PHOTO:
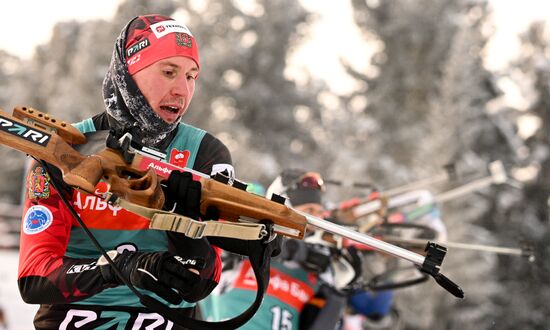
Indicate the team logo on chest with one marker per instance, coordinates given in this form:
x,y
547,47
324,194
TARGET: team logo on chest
x,y
179,158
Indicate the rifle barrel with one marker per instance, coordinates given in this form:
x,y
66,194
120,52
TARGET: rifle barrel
x,y
465,246
363,238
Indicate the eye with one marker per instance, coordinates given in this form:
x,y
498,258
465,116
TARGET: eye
x,y
169,72
191,77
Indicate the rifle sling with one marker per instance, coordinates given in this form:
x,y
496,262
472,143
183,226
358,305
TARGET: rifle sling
x,y
163,220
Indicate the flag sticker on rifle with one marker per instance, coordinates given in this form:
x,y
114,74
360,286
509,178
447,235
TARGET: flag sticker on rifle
x,y
37,219
24,131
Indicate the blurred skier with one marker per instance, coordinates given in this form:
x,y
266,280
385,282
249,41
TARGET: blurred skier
x,y
369,309
303,291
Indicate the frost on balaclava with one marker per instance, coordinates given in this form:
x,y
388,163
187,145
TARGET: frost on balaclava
x,y
126,106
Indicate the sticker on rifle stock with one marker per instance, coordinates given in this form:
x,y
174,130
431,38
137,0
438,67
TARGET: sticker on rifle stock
x,y
24,131
38,184
37,219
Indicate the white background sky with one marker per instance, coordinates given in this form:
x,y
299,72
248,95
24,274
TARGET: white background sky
x,y
29,23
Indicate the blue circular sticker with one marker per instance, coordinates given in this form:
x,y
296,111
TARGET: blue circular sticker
x,y
37,219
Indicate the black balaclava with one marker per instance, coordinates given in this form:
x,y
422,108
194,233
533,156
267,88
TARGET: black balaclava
x,y
126,106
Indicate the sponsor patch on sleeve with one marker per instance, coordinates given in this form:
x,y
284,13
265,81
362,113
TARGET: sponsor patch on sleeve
x,y
38,184
37,219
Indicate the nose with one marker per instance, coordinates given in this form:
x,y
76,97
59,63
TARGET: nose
x,y
181,87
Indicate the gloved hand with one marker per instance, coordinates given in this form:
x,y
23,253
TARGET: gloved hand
x,y
313,257
346,269
159,272
351,254
184,193
318,258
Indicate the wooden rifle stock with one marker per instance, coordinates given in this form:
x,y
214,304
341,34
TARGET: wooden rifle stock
x,y
138,181
234,204
28,135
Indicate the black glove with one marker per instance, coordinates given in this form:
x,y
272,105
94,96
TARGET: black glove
x,y
313,257
183,192
159,272
318,257
351,254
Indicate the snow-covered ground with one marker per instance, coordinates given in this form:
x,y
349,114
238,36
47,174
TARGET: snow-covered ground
x,y
18,315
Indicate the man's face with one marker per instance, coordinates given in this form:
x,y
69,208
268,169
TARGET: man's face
x,y
168,85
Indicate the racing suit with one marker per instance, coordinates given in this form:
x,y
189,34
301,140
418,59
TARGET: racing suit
x,y
57,265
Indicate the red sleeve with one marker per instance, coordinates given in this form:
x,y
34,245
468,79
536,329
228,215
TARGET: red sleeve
x,y
45,229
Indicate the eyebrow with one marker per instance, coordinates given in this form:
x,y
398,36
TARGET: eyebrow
x,y
175,66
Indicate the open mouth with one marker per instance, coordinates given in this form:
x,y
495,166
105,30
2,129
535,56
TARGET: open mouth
x,y
170,109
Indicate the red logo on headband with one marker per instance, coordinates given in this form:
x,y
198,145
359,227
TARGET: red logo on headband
x,y
160,28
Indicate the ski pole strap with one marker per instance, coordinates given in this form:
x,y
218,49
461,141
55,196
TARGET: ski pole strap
x,y
162,220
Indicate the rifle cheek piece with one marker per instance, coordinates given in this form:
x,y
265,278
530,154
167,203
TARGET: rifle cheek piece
x,y
86,174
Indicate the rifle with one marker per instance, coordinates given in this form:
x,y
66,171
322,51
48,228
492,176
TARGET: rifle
x,y
134,183
399,197
450,174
